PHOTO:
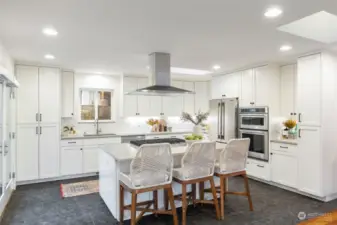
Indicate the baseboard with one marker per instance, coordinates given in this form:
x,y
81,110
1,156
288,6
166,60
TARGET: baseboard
x,y
18,183
3,203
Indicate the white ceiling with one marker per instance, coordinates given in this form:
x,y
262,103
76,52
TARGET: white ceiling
x,y
113,36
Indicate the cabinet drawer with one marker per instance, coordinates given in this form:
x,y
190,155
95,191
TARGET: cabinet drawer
x,y
285,148
114,140
90,142
72,142
258,169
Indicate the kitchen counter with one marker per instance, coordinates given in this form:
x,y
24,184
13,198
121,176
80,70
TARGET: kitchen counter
x,y
285,141
122,134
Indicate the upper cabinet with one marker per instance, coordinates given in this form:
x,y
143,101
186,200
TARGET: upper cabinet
x,y
173,105
201,96
309,90
68,94
247,88
143,102
288,90
226,86
189,99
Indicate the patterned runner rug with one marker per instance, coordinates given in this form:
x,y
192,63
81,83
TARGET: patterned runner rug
x,y
79,188
326,219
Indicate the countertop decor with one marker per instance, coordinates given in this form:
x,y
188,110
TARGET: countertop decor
x,y
197,120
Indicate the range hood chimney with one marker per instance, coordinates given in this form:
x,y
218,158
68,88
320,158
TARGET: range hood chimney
x,y
160,66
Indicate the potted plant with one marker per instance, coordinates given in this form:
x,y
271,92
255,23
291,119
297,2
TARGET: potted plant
x,y
290,128
197,120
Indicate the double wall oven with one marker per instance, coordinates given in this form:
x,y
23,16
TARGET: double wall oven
x,y
254,124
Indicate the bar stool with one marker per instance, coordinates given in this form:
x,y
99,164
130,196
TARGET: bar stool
x,y
150,170
197,166
232,162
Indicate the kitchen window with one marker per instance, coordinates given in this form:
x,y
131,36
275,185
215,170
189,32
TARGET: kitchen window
x,y
95,104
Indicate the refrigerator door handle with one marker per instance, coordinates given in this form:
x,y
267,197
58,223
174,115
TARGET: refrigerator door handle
x,y
223,121
219,121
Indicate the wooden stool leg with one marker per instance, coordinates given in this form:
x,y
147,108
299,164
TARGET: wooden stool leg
x,y
121,204
248,192
201,191
184,204
222,196
155,201
166,200
133,208
194,193
173,207
215,198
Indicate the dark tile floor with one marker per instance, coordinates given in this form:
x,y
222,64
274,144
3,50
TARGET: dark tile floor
x,y
40,204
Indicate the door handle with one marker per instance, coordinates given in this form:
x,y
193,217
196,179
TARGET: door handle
x,y
283,147
36,117
37,130
40,117
300,117
260,166
299,133
40,130
219,122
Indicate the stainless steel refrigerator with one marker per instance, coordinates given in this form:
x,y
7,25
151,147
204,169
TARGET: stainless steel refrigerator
x,y
223,119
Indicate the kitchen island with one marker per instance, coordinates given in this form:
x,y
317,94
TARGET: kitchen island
x,y
116,158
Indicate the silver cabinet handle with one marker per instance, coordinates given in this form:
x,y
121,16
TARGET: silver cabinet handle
x,y
40,130
71,142
283,147
260,166
40,117
300,117
299,133
36,117
37,130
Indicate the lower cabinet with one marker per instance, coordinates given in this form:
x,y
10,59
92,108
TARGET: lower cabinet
x,y
71,160
258,169
284,169
90,159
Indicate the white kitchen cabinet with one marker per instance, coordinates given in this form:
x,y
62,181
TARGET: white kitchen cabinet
x,y
231,85
217,87
68,79
189,98
90,159
71,160
143,103
258,169
49,95
247,97
201,96
156,105
27,159
284,169
130,101
309,90
288,90
49,151
173,105
28,94
309,161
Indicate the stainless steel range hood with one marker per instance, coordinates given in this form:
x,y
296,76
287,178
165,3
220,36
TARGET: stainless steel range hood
x,y
161,78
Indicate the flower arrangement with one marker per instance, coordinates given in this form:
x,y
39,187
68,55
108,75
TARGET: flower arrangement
x,y
199,117
152,122
290,124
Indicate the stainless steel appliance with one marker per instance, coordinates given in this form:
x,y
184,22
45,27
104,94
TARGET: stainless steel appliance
x,y
254,124
223,119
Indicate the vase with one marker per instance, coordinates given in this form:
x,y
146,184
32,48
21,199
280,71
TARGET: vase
x,y
197,130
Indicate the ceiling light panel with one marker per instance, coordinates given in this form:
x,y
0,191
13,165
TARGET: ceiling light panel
x,y
321,26
273,12
189,71
49,56
50,31
285,48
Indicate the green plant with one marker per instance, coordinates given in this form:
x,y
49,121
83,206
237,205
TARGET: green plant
x,y
199,117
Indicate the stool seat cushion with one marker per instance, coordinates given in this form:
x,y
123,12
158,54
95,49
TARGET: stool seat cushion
x,y
191,172
145,178
217,169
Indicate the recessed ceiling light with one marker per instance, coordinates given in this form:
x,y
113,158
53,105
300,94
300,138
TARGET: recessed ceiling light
x,y
148,67
285,48
49,56
189,71
216,67
50,31
273,12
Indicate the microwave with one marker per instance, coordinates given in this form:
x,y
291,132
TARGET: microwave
x,y
256,118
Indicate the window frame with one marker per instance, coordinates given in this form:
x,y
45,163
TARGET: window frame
x,y
96,99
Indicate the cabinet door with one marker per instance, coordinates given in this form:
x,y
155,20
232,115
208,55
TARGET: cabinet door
x,y
49,95
156,108
67,94
49,151
285,175
143,101
288,78
71,161
130,101
217,87
201,97
173,105
90,159
27,162
28,94
309,158
231,85
189,99
309,90
247,88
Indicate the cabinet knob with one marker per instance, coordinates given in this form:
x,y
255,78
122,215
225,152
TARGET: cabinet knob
x,y
291,114
271,153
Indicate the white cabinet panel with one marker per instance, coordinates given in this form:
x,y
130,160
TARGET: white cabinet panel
x,y
67,94
156,105
285,175
231,85
217,88
49,151
309,157
258,169
201,96
309,90
173,105
49,95
247,88
90,159
130,101
143,101
27,162
71,160
27,94
189,99
288,78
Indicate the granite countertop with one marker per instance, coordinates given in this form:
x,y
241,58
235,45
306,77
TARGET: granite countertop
x,y
122,134
285,141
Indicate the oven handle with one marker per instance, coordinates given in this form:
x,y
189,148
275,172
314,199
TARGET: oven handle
x,y
253,132
219,121
223,124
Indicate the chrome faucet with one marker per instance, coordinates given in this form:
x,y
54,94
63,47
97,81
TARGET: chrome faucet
x,y
98,130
